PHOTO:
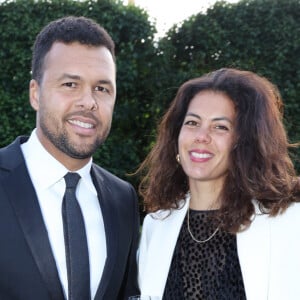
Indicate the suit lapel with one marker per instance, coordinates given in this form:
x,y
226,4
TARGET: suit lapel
x,y
107,205
22,196
254,255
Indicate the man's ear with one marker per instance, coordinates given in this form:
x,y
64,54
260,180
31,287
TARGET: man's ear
x,y
34,94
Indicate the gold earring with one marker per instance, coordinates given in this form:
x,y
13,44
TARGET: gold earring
x,y
178,158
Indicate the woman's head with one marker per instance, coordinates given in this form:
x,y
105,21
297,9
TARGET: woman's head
x,y
206,138
258,161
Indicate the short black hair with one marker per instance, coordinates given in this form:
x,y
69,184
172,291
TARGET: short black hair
x,y
68,30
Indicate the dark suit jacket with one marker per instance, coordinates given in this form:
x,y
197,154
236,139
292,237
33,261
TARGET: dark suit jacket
x,y
27,266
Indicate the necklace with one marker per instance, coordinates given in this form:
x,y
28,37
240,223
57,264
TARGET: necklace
x,y
192,236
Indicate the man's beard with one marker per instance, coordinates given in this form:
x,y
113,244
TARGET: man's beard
x,y
60,139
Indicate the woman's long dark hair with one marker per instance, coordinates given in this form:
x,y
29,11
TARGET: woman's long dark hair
x,y
260,166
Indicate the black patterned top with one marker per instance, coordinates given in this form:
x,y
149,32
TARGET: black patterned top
x,y
205,271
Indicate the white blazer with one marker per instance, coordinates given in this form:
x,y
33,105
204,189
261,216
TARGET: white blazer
x,y
268,251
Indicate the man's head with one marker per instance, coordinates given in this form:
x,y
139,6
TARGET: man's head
x,y
73,89
68,30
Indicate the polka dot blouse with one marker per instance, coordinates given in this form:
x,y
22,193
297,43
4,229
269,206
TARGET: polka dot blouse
x,y
204,271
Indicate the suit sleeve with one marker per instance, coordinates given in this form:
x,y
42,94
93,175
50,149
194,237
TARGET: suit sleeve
x,y
130,284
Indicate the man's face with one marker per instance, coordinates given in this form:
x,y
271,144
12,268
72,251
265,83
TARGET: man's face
x,y
74,101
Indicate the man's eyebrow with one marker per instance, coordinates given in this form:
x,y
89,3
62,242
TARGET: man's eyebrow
x,y
104,81
69,76
77,77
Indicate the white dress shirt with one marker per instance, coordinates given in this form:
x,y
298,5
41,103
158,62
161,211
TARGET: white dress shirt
x,y
47,175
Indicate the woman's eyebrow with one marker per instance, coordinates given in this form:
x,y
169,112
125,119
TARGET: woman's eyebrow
x,y
214,119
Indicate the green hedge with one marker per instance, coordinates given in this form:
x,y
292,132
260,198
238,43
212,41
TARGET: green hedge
x,y
133,34
259,35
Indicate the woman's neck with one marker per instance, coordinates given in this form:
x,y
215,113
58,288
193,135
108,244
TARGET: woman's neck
x,y
205,195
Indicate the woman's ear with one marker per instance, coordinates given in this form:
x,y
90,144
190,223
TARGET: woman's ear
x,y
34,94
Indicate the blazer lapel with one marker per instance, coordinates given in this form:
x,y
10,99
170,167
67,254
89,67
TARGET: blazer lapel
x,y
21,193
154,266
111,232
254,255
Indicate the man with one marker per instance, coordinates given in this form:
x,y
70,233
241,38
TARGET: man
x,y
73,91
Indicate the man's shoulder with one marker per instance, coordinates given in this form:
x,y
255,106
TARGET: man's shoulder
x,y
14,145
11,154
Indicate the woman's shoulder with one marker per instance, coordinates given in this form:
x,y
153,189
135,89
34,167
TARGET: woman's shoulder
x,y
288,220
165,218
166,215
290,216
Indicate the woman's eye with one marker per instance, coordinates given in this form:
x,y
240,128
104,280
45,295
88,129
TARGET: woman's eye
x,y
190,123
221,127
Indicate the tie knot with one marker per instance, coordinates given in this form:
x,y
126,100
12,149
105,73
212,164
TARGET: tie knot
x,y
71,180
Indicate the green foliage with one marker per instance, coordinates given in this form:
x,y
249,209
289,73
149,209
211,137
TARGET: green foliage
x,y
259,35
21,20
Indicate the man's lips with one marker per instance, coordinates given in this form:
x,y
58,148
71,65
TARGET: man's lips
x,y
82,120
81,124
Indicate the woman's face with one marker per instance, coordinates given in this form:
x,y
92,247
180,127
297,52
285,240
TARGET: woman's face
x,y
207,137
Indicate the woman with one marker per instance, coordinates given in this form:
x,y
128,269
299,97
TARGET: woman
x,y
222,193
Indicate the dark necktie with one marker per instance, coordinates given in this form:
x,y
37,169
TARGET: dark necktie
x,y
75,242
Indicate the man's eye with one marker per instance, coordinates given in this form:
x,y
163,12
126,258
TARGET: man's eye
x,y
101,89
70,84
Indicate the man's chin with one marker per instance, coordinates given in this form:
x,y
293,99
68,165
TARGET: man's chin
x,y
82,152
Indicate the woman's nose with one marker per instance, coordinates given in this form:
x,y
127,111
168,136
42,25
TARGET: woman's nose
x,y
203,135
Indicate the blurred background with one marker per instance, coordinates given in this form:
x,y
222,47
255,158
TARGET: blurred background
x,y
156,53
